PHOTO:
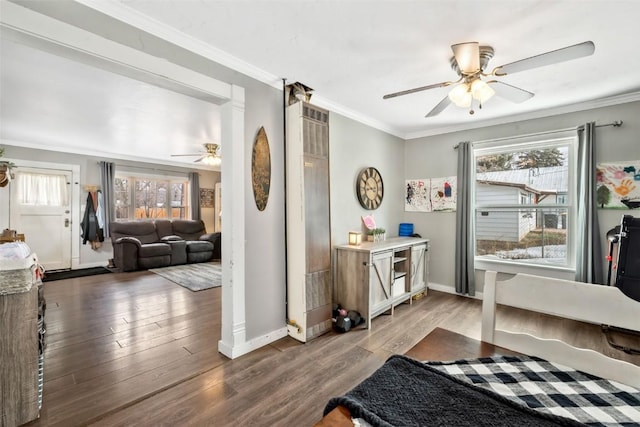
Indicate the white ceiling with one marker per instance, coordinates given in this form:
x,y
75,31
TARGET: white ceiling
x,y
350,52
53,101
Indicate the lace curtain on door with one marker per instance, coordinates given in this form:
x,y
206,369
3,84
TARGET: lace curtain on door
x,y
42,190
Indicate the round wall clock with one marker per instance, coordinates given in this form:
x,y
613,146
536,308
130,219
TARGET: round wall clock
x,y
369,188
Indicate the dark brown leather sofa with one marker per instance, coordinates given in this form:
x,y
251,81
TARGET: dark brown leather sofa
x,y
140,245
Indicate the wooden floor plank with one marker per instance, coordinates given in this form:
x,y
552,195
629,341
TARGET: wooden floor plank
x,y
136,349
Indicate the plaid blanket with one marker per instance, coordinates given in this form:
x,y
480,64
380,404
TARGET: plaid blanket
x,y
405,392
550,388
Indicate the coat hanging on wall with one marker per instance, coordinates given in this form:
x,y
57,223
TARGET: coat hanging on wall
x,y
93,219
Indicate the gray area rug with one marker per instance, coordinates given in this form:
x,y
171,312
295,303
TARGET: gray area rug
x,y
196,277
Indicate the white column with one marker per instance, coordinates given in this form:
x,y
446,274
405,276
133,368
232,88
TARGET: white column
x,y
233,342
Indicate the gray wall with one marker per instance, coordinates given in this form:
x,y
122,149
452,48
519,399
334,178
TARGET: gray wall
x,y
354,146
434,156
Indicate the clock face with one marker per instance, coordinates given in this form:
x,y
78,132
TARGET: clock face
x,y
369,188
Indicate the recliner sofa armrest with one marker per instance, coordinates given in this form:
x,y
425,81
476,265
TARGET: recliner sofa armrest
x,y
210,237
128,239
125,253
171,238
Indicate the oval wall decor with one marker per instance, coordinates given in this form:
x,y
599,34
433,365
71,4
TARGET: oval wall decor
x,y
261,169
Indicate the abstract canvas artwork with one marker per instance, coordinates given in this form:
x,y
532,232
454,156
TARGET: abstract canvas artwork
x,y
618,185
431,194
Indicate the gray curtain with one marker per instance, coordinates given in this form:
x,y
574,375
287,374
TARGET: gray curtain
x,y
465,272
107,182
589,261
194,181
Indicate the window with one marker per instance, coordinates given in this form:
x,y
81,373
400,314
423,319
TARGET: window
x,y
523,195
146,197
37,189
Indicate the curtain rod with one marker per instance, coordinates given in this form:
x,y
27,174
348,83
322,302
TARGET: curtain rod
x,y
615,123
151,169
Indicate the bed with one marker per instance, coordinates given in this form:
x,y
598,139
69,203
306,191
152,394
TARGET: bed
x,y
513,378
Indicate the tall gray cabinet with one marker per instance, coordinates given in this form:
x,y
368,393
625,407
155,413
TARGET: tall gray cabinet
x,y
308,226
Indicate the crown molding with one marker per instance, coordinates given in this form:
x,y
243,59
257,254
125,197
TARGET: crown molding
x,y
84,151
565,109
137,19
145,23
354,115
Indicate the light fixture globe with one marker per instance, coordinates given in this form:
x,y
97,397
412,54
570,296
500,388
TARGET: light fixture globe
x,y
481,91
211,160
460,95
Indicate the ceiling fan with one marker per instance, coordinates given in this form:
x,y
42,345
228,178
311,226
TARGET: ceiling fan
x,y
211,156
470,60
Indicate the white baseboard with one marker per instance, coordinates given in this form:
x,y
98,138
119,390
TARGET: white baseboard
x,y
75,266
246,347
451,290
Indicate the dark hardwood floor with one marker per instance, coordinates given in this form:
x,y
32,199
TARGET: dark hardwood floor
x,y
136,349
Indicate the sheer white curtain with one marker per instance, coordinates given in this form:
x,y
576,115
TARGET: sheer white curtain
x,y
42,190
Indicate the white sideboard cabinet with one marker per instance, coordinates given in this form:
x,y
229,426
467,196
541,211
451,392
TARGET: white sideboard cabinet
x,y
374,277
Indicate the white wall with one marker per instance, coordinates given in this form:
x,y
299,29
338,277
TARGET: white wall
x,y
435,156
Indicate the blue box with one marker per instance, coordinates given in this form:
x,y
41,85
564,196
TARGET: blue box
x,y
406,229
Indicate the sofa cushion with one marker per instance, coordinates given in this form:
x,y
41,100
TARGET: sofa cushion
x,y
199,246
198,257
163,227
188,229
142,230
154,249
154,262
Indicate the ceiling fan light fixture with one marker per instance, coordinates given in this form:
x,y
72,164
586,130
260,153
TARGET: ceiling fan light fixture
x,y
481,91
470,60
467,57
461,96
210,160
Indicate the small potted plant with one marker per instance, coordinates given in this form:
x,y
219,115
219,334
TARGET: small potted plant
x,y
5,170
376,235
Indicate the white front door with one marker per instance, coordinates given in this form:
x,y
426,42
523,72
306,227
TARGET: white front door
x,y
41,210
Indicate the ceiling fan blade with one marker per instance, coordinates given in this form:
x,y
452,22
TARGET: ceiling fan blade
x,y
184,155
553,57
467,56
440,107
418,89
512,93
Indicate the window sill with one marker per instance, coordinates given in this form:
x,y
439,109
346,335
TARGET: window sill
x,y
512,267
